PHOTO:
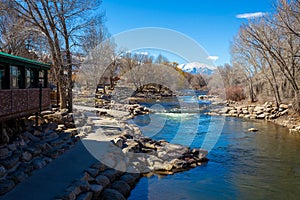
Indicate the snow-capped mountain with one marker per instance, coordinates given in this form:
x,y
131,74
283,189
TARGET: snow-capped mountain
x,y
197,68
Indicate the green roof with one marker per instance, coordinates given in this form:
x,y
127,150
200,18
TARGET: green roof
x,y
17,60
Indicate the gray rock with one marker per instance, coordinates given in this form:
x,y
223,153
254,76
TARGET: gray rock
x,y
35,151
26,156
31,137
163,166
19,176
259,112
101,167
111,174
72,191
245,112
252,129
92,171
72,131
50,136
87,129
102,180
268,110
38,163
132,146
56,142
261,116
61,127
283,106
2,171
83,185
6,186
109,194
224,110
272,116
232,112
4,153
66,196
122,187
12,147
85,177
10,162
26,167
129,179
118,142
37,133
247,116
52,154
43,145
179,164
96,189
85,196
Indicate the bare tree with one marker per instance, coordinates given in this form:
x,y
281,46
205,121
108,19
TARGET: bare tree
x,y
15,35
60,22
271,46
288,16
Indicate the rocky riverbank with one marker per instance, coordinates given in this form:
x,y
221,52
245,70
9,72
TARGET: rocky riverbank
x,y
130,154
282,114
33,148
127,156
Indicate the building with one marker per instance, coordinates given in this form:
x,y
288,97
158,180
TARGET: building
x,y
23,86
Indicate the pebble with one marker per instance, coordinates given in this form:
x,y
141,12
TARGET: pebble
x,y
252,129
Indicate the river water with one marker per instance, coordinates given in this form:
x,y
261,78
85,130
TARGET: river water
x,y
243,165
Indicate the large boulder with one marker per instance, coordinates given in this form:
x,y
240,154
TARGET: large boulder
x,y
110,194
102,180
122,187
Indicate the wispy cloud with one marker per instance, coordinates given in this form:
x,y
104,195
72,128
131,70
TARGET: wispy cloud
x,y
142,53
213,58
250,15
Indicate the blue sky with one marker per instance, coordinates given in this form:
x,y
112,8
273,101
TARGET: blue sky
x,y
211,23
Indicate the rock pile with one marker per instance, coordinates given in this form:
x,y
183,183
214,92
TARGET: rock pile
x,y
32,149
267,111
137,109
160,157
295,130
128,156
101,182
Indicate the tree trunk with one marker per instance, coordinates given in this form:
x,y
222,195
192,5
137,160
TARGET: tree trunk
x,y
296,102
62,95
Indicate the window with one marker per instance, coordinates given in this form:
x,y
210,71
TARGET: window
x,y
42,78
29,78
15,77
2,76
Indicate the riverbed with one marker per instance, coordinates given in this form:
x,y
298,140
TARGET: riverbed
x,y
243,165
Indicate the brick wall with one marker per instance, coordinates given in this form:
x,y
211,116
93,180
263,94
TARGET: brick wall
x,y
19,102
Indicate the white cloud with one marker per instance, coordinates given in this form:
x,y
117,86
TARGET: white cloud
x,y
250,15
213,58
142,53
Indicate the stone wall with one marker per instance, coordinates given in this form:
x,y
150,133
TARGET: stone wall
x,y
33,149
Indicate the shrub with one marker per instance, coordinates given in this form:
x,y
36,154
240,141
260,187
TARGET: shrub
x,y
235,93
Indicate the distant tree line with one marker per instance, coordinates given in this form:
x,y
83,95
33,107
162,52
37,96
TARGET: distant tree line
x,y
265,57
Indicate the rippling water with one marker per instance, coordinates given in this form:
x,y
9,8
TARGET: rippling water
x,y
243,165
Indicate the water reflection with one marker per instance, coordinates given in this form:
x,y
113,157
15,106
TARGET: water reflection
x,y
243,165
